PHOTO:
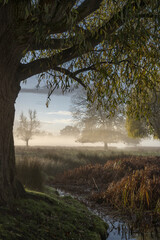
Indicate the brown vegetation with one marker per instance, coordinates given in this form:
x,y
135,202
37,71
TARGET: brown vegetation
x,y
112,179
129,183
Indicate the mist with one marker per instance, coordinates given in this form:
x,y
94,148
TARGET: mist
x,y
70,141
55,141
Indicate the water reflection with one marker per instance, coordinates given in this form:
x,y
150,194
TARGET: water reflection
x,y
122,231
118,230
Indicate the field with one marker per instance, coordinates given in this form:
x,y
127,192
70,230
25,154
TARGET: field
x,y
127,181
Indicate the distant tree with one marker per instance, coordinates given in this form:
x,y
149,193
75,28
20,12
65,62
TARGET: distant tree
x,y
107,133
100,134
28,126
44,133
70,131
96,123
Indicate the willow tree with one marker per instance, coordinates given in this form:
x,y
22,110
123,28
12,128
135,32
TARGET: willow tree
x,y
139,124
107,46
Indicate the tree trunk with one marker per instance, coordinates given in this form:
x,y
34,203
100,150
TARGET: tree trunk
x,y
10,55
105,145
10,187
27,143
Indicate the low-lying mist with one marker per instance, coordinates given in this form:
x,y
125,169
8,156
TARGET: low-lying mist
x,y
54,141
70,141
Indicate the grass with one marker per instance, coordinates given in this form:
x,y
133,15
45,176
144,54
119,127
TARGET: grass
x,y
44,217
56,160
30,173
35,165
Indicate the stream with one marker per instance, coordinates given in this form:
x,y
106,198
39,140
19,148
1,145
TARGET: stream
x,y
118,228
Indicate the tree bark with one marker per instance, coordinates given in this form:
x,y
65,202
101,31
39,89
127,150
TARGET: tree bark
x,y
10,187
10,55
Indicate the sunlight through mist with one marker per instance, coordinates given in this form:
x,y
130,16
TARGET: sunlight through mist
x,y
54,141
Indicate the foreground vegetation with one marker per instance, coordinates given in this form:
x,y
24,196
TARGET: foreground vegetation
x,y
35,166
53,161
44,217
129,183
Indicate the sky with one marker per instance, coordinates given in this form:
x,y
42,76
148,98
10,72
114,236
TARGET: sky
x,y
53,118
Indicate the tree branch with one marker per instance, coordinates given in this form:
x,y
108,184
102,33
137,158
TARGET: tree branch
x,y
147,15
45,64
70,74
93,66
51,44
91,40
84,10
56,10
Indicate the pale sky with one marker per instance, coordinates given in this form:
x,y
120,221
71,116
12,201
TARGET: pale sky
x,y
53,118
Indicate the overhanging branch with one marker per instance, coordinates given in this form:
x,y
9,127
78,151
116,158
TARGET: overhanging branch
x,y
91,40
84,10
70,74
51,44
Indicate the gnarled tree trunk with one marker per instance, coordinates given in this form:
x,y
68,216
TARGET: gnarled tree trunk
x,y
10,188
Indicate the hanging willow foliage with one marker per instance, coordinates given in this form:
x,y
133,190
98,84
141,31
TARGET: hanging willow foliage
x,y
110,47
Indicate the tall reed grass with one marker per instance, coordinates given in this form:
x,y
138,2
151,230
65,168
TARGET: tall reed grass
x,y
29,172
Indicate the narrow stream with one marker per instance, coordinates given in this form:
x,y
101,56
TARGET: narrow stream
x,y
118,229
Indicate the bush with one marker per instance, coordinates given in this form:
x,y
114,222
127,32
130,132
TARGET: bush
x,y
29,172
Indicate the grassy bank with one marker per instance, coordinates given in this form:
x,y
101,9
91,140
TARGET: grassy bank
x,y
44,217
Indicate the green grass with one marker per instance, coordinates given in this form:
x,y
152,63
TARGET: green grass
x,y
43,217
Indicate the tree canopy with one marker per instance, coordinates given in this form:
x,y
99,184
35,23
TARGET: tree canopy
x,y
107,46
70,131
96,124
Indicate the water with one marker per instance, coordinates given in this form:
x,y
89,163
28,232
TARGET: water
x,y
118,229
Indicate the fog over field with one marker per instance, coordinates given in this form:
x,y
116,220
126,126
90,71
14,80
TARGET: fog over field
x,y
54,141
71,142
